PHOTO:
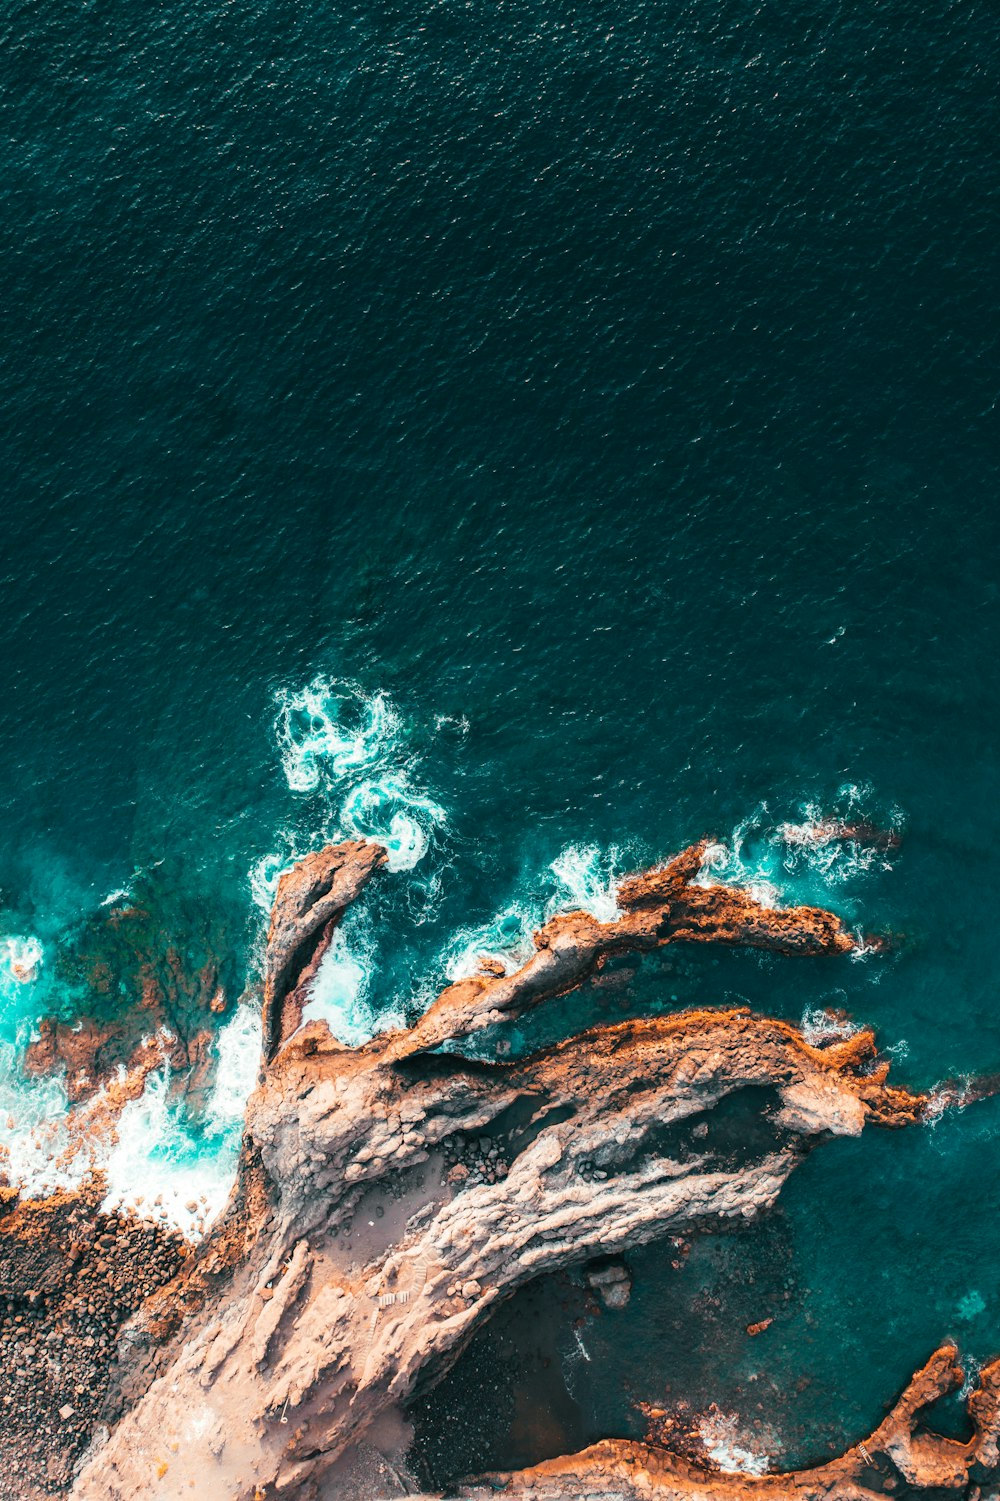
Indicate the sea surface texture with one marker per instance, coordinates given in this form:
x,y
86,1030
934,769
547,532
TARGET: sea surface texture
x,y
536,436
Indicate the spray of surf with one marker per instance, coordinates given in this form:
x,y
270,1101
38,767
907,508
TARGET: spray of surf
x,y
810,856
729,1449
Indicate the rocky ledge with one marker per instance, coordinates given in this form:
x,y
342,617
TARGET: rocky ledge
x,y
390,1196
902,1458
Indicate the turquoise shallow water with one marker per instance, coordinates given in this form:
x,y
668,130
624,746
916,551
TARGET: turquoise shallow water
x,y
613,391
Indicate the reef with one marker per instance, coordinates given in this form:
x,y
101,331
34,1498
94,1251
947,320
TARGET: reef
x,y
390,1196
142,980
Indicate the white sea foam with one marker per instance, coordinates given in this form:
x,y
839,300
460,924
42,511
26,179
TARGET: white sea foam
x,y
505,938
20,961
237,1049
802,858
160,1168
32,1125
332,729
397,815
264,877
585,881
121,893
340,993
819,1026
729,1448
337,739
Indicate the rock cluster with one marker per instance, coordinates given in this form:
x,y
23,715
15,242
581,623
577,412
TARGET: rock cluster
x,y
480,1160
70,1278
611,1282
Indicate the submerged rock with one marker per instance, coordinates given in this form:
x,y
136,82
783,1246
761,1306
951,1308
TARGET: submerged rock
x,y
611,1282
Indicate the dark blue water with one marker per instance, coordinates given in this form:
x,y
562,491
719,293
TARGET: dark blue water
x,y
612,388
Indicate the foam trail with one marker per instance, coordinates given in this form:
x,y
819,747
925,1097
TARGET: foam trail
x,y
812,854
334,737
390,810
264,878
21,959
331,728
584,879
339,992
820,1026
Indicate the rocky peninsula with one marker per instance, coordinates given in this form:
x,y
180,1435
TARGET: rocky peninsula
x,y
367,1238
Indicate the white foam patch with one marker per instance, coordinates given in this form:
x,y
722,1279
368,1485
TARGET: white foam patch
x,y
264,877
584,878
339,994
331,729
155,1161
820,1026
20,961
805,858
506,938
337,740
389,810
585,881
237,1049
159,1168
121,894
730,1449
32,1126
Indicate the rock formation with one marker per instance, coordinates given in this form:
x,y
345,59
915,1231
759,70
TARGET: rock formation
x,y
353,1258
666,905
150,970
390,1196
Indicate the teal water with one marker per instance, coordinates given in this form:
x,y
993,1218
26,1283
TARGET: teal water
x,y
614,392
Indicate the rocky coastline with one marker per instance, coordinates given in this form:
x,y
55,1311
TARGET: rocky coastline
x,y
391,1196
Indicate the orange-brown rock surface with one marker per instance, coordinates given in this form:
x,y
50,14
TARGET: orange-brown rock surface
x,y
666,905
90,1054
311,900
371,1254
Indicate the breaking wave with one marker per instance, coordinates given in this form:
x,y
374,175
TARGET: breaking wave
x,y
161,1166
808,856
581,878
339,994
338,741
730,1449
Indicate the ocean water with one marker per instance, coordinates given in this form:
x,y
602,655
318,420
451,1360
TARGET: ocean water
x,y
539,438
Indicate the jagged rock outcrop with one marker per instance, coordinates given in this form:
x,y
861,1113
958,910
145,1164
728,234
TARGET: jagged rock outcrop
x,y
310,901
901,1458
662,906
358,1254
